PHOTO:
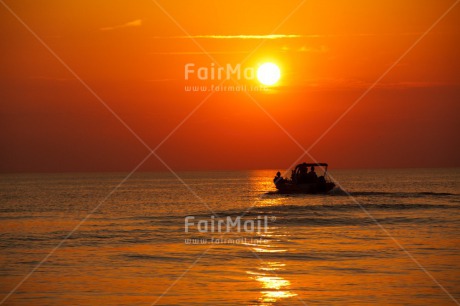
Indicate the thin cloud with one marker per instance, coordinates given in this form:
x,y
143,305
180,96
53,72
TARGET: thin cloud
x,y
199,52
134,23
321,49
268,36
283,36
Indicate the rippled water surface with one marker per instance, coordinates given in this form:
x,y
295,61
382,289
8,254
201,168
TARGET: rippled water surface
x,y
389,237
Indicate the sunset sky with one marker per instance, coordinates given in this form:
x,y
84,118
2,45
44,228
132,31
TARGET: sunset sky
x,y
132,55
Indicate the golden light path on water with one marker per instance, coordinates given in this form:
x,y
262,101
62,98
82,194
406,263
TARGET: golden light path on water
x,y
273,286
317,249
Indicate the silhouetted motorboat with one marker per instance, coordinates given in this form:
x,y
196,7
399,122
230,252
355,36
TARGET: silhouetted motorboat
x,y
302,181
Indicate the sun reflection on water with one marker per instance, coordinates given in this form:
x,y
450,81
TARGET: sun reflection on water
x,y
270,202
273,286
262,250
270,274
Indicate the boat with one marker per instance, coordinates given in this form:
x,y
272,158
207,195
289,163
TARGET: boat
x,y
304,181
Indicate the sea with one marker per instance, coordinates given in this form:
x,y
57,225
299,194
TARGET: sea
x,y
384,237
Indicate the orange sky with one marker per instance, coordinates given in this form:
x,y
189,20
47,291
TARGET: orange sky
x,y
132,54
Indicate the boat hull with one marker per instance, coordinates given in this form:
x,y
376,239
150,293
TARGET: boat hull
x,y
310,188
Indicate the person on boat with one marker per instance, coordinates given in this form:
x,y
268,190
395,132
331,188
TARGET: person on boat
x,y
303,173
313,175
278,179
312,171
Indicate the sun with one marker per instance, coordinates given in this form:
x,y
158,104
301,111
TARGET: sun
x,y
268,74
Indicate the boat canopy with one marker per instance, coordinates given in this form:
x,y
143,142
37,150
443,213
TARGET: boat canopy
x,y
314,164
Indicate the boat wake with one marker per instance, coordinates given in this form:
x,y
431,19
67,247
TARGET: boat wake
x,y
340,192
394,194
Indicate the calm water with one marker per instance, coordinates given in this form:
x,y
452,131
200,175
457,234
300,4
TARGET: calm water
x,y
317,250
